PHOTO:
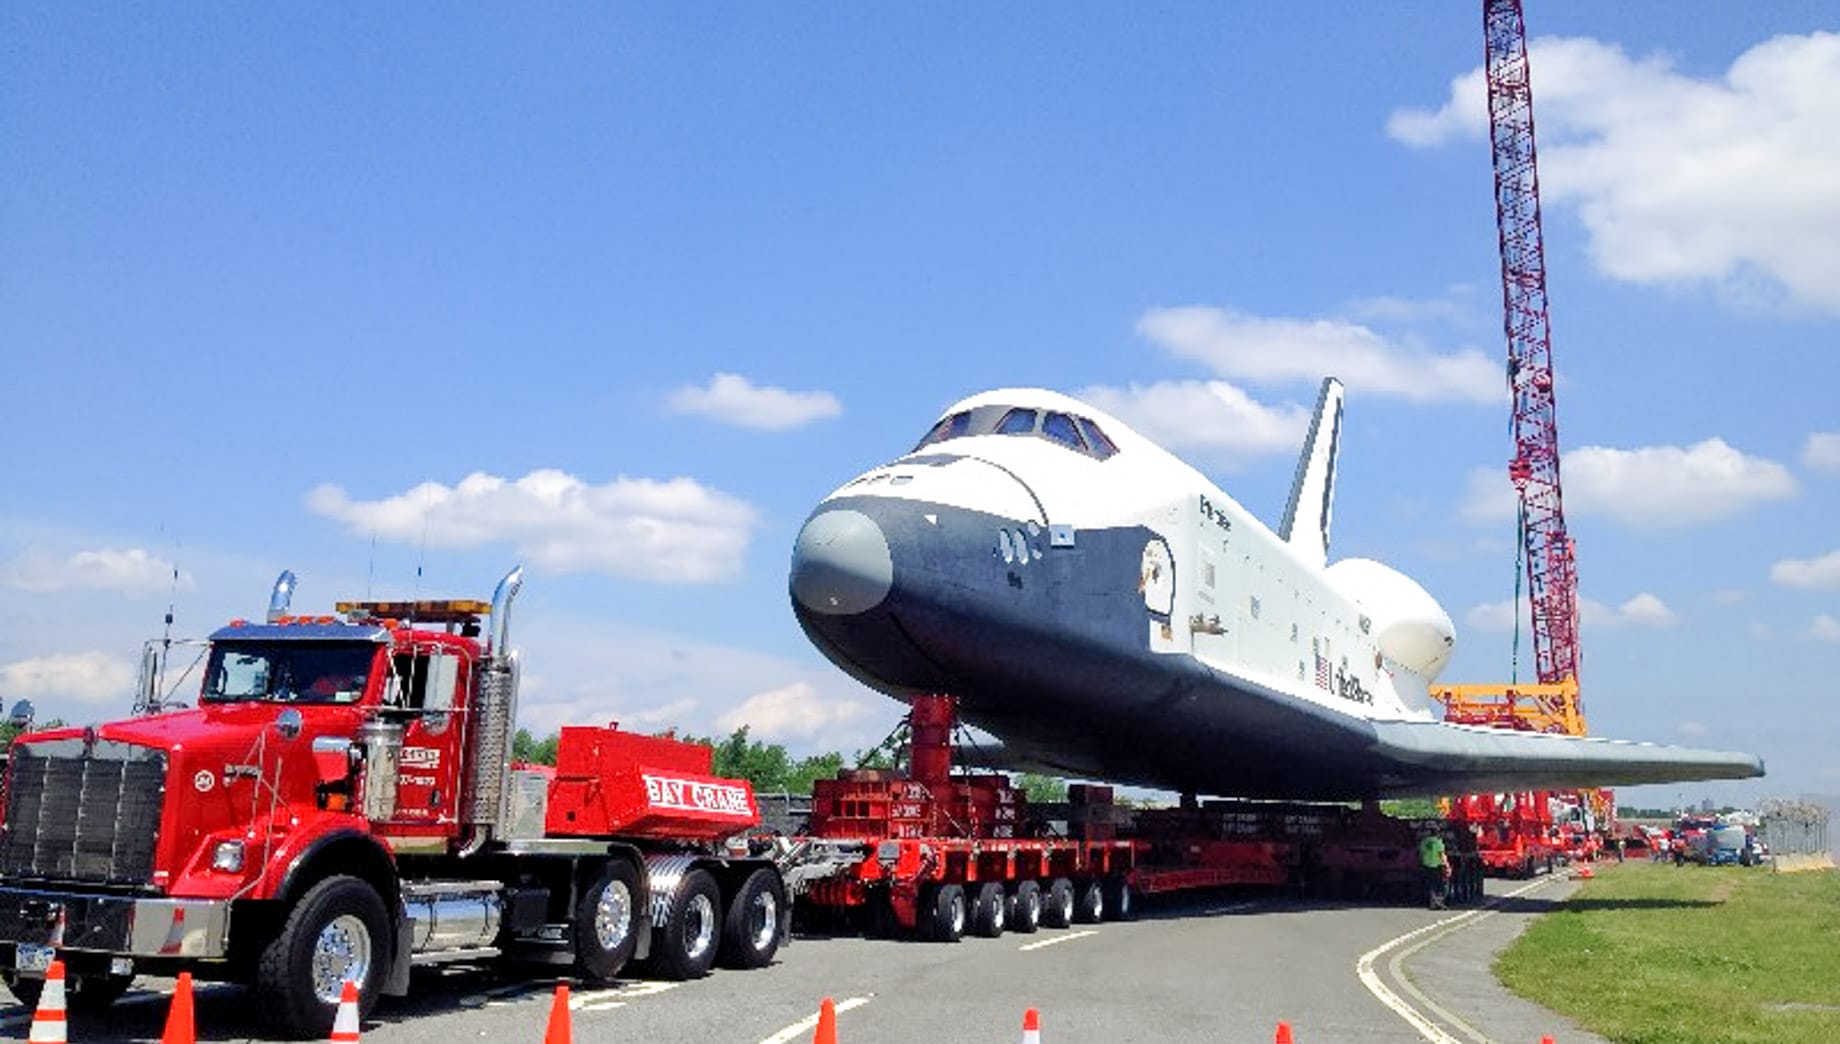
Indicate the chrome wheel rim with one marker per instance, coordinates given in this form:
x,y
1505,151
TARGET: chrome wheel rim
x,y
765,917
613,915
699,926
341,954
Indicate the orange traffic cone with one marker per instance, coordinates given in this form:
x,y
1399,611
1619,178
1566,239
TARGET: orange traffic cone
x,y
1585,871
179,1027
1284,1033
559,1031
1031,1027
48,1025
345,1024
827,1023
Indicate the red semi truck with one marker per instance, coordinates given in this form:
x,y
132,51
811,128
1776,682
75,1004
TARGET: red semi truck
x,y
341,804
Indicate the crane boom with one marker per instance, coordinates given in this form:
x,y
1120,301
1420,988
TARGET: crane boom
x,y
1552,578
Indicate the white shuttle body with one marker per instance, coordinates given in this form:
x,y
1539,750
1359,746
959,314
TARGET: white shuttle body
x,y
1110,613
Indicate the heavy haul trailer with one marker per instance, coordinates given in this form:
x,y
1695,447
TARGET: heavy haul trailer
x,y
340,806
942,855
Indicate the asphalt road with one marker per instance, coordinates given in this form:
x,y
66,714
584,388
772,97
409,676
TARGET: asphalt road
x,y
1219,968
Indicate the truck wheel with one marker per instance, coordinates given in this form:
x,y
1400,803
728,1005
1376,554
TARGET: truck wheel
x,y
338,931
1025,908
945,910
1091,904
988,920
685,947
605,918
1120,903
751,930
90,993
1058,911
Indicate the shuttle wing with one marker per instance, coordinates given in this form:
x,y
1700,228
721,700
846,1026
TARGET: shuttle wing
x,y
1442,758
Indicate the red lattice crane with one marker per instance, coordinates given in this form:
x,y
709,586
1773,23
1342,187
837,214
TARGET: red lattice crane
x,y
1552,577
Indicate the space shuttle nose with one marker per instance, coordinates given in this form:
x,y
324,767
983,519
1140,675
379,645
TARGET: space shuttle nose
x,y
841,563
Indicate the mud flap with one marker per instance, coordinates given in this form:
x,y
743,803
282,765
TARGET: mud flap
x,y
396,982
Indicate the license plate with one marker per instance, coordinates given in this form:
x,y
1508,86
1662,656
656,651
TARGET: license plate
x,y
30,958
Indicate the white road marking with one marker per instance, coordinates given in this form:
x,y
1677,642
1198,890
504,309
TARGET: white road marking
x,y
1364,968
810,1022
1235,908
1057,940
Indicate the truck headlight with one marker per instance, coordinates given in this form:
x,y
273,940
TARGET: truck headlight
x,y
228,857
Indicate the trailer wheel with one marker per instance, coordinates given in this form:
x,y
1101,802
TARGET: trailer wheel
x,y
338,931
1090,907
755,923
1025,908
605,917
989,920
945,909
1120,903
1058,912
685,946
88,993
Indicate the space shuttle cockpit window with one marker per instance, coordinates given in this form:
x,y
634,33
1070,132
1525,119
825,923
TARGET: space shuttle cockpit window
x,y
1101,446
1017,422
947,428
1060,428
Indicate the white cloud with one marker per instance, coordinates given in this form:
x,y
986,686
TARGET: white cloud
x,y
675,531
732,399
1692,728
1654,487
1212,418
1645,608
1681,180
592,670
1822,452
86,677
130,571
1825,628
795,711
1457,306
1809,573
1642,610
1281,350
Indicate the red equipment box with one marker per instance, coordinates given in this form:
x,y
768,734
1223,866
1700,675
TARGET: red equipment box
x,y
610,782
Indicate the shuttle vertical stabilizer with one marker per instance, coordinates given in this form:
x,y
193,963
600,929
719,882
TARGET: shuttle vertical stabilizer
x,y
1306,517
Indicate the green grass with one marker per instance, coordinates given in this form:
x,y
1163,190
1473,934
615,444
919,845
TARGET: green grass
x,y
1655,954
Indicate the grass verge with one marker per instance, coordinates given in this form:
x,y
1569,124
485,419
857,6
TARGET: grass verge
x,y
1651,953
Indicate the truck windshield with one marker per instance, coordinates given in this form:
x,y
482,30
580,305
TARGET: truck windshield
x,y
288,672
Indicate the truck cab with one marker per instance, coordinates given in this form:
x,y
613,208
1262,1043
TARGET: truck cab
x,y
340,805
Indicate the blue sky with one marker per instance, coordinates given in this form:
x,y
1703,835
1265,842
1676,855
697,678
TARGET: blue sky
x,y
274,284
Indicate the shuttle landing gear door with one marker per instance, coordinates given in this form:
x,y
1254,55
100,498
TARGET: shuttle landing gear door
x,y
429,683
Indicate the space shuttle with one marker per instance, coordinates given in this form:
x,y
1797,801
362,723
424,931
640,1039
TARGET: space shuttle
x,y
1105,611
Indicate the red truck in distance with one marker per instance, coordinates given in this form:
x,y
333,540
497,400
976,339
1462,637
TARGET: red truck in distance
x,y
340,804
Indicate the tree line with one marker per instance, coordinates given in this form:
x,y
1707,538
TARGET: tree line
x,y
771,768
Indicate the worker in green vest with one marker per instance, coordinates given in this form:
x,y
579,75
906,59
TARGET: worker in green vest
x,y
1436,864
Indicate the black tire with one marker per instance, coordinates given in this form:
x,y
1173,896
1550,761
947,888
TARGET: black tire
x,y
945,913
685,947
607,922
89,993
342,920
1089,906
1025,908
988,917
1120,900
755,922
1057,912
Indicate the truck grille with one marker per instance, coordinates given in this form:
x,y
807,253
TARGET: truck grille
x,y
77,812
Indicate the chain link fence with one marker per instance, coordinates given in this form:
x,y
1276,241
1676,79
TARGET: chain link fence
x,y
1798,834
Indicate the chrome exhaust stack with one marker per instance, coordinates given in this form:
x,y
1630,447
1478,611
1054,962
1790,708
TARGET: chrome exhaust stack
x,y
281,596
495,710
